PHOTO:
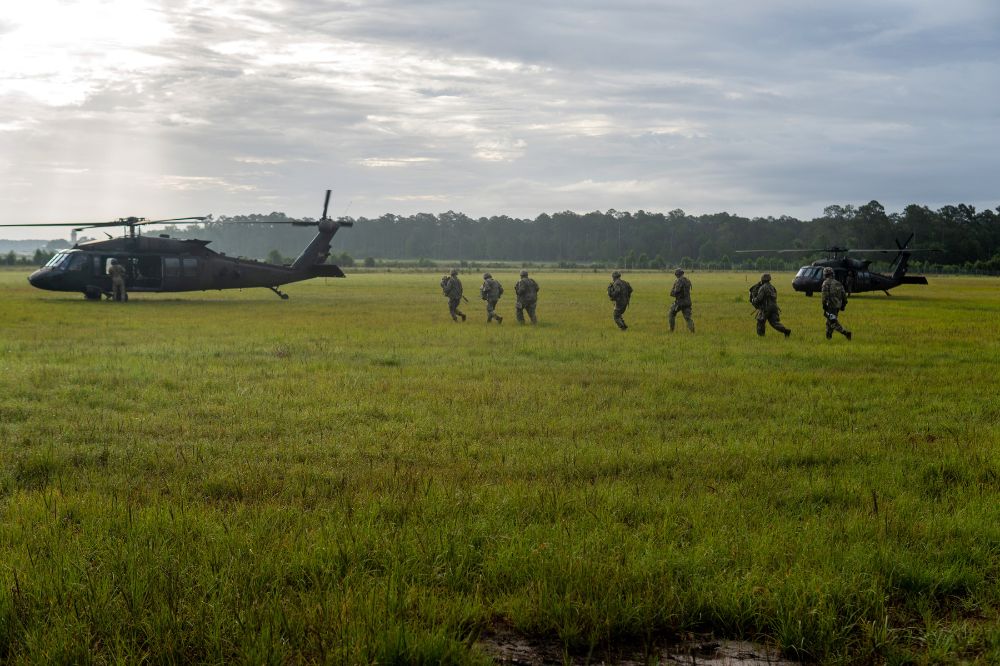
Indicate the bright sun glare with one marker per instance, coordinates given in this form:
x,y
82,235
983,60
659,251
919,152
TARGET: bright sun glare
x,y
58,52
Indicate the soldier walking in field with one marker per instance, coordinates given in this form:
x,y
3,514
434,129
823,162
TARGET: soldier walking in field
x,y
452,288
526,290
620,292
764,297
681,291
117,273
834,301
491,291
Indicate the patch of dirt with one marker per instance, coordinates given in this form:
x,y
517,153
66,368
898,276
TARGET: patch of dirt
x,y
506,647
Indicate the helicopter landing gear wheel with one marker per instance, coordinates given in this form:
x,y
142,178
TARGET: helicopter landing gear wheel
x,y
280,293
92,293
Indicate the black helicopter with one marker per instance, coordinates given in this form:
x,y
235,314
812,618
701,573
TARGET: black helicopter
x,y
163,264
855,274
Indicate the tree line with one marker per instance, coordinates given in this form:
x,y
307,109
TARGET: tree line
x,y
39,258
960,236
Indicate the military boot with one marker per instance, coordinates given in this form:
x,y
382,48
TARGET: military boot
x,y
847,334
787,332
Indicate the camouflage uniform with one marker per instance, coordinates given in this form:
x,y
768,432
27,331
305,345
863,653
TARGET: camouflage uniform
x,y
766,302
491,291
527,297
834,300
681,291
117,273
452,288
620,292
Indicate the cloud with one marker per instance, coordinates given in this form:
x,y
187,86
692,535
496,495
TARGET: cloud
x,y
500,150
379,162
495,107
184,183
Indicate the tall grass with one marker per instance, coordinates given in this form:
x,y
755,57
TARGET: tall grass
x,y
348,476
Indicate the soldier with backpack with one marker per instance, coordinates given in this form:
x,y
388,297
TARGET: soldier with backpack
x,y
451,286
620,292
526,290
491,291
764,297
681,291
834,301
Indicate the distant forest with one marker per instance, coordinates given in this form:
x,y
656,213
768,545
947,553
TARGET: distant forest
x,y
961,235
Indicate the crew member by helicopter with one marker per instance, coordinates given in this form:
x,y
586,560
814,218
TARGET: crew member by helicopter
x,y
117,273
834,301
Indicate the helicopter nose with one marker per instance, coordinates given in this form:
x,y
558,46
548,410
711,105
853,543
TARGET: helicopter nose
x,y
40,278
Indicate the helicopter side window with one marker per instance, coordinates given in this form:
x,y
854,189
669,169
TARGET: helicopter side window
x,y
171,267
190,266
147,267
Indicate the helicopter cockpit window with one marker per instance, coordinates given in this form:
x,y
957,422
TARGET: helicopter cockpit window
x,y
61,260
77,262
56,259
810,272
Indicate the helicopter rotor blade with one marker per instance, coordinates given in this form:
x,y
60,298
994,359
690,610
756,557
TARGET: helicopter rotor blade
x,y
111,223
822,249
199,218
294,223
326,205
59,224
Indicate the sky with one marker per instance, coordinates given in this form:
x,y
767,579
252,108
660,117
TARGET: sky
x,y
169,108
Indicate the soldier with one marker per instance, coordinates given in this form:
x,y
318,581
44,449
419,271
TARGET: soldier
x,y
620,292
527,297
834,301
117,273
681,291
491,291
764,297
452,288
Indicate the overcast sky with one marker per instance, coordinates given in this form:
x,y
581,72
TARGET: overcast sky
x,y
165,108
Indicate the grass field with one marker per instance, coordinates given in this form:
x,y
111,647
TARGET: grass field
x,y
350,477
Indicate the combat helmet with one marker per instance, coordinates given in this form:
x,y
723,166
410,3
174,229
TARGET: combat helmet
x,y
679,272
616,274
766,277
454,271
486,276
524,273
828,272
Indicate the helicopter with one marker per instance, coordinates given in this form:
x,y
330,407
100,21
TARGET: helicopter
x,y
855,274
163,264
